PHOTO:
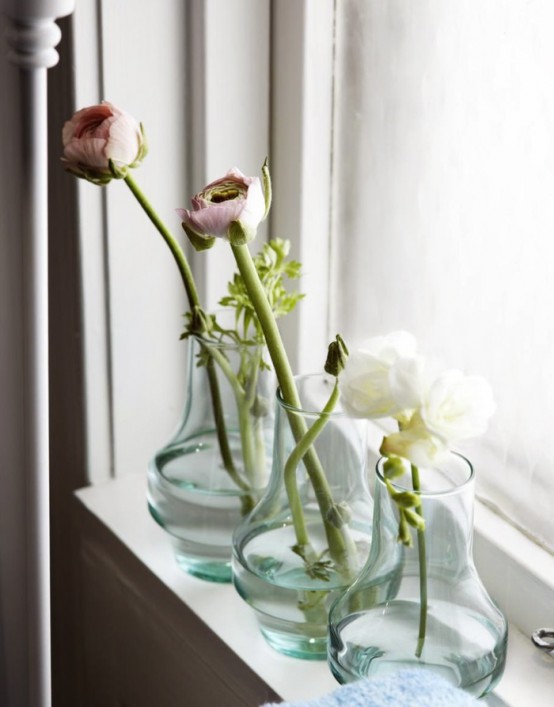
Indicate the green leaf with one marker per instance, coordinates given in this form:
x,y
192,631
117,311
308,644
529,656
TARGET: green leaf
x,y
273,268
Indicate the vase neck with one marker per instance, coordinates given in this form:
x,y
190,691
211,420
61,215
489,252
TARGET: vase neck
x,y
447,502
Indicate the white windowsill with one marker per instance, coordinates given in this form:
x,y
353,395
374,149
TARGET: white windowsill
x,y
121,506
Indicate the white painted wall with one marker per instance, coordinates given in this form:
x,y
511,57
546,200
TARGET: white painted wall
x,y
444,213
168,65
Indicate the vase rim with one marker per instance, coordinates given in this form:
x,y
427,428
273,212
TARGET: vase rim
x,y
305,409
228,344
449,490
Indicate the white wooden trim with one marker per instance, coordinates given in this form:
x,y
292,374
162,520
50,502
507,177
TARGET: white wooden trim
x,y
87,57
33,34
302,71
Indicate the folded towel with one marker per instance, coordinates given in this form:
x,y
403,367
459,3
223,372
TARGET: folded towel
x,y
407,688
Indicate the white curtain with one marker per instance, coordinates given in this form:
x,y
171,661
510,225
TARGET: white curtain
x,y
444,211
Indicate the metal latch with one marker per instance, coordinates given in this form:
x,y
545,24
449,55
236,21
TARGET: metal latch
x,y
543,638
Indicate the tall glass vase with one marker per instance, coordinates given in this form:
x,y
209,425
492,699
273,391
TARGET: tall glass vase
x,y
421,606
290,566
215,468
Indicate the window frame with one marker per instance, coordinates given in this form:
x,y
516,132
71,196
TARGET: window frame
x,y
295,54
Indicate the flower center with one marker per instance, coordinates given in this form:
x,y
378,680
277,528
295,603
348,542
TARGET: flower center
x,y
224,195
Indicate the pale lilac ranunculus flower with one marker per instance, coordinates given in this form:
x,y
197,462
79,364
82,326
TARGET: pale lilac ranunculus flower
x,y
98,134
234,203
383,377
457,407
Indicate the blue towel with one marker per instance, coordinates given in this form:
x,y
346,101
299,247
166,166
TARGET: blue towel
x,y
407,688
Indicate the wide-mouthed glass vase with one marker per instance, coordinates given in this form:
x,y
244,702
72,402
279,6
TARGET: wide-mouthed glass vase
x,y
214,469
310,534
422,606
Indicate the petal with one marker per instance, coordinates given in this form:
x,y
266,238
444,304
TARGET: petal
x,y
233,176
124,139
392,346
215,219
254,208
89,118
86,118
89,153
406,381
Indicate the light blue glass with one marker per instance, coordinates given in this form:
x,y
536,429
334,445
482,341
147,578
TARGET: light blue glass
x,y
194,493
375,624
291,597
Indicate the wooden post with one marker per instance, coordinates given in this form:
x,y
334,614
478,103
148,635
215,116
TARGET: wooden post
x,y
32,35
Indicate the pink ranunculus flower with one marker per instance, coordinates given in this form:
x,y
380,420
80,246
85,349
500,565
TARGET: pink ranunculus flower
x,y
231,208
99,135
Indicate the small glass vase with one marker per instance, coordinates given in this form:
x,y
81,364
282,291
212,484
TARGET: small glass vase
x,y
209,476
380,625
290,578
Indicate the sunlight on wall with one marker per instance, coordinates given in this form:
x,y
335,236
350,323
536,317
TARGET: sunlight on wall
x,y
445,184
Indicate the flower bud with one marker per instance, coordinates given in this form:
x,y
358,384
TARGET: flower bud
x,y
266,181
101,143
393,468
336,357
414,519
404,535
231,208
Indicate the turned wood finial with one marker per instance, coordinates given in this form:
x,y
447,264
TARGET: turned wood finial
x,y
32,32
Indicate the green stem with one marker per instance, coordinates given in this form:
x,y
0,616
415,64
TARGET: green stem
x,y
337,546
243,407
174,247
422,570
251,372
294,460
219,419
194,301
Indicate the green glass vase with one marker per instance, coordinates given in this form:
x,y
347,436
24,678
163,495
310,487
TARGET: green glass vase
x,y
216,466
378,624
289,585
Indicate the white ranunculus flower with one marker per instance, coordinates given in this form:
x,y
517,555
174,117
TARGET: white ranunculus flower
x,y
415,444
383,378
457,406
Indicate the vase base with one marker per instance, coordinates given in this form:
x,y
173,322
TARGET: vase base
x,y
211,569
460,646
479,689
296,646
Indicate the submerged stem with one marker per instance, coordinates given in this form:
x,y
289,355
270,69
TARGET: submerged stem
x,y
338,548
294,460
422,570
